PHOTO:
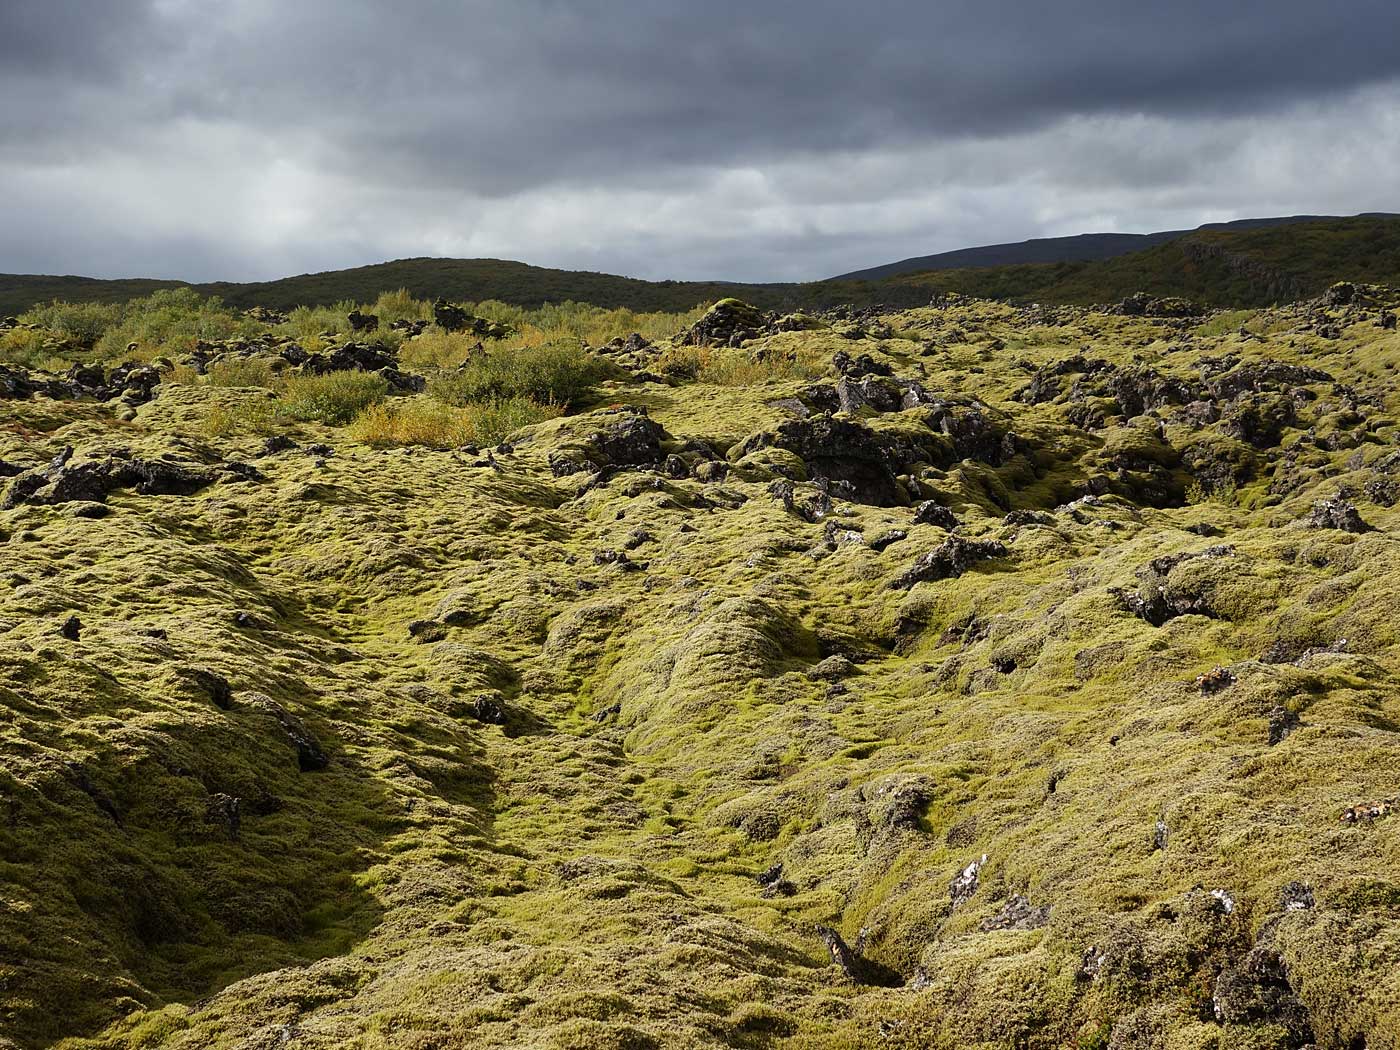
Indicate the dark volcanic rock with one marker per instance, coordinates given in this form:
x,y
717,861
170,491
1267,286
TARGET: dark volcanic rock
x,y
1139,390
1140,304
1336,513
931,512
971,432
134,384
634,440
1257,989
1264,376
1157,600
91,481
1017,913
213,685
277,443
449,316
728,323
225,811
853,965
361,357
488,709
859,366
1045,384
813,508
850,457
876,393
310,755
951,558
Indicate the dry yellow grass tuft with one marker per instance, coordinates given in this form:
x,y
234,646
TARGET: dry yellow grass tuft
x,y
423,421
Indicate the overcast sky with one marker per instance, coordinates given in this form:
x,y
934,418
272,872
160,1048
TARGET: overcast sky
x,y
758,140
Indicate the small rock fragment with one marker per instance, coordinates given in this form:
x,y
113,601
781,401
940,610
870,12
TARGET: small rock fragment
x,y
1297,896
1368,812
964,885
1017,914
427,631
226,812
1214,680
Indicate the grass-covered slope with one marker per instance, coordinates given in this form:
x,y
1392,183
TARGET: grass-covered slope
x,y
960,677
1237,264
471,279
1084,247
1241,268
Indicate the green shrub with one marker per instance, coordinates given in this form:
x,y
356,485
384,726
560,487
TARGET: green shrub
x,y
553,373
399,306
26,347
171,321
258,416
240,371
306,323
334,398
726,367
438,349
80,323
493,421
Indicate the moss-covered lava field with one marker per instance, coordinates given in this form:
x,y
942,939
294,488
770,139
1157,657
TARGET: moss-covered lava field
x,y
966,676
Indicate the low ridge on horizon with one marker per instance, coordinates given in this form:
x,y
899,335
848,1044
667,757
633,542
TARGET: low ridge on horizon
x,y
1080,247
1288,259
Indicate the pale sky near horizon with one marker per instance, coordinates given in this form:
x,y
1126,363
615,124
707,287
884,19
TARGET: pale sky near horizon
x,y
251,139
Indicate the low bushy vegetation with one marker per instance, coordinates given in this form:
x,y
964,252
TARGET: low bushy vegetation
x,y
314,326
29,348
734,367
240,371
552,373
170,322
80,323
334,398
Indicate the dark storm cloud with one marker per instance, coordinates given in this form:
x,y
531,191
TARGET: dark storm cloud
x,y
556,113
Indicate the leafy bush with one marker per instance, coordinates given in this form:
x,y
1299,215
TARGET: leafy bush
x,y
334,398
28,348
554,373
437,349
171,321
81,323
432,423
258,416
306,323
240,371
399,306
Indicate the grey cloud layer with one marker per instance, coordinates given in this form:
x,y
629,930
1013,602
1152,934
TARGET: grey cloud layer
x,y
781,140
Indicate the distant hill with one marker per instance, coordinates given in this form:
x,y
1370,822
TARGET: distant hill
x,y
1249,263
1085,247
20,291
464,279
1220,267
